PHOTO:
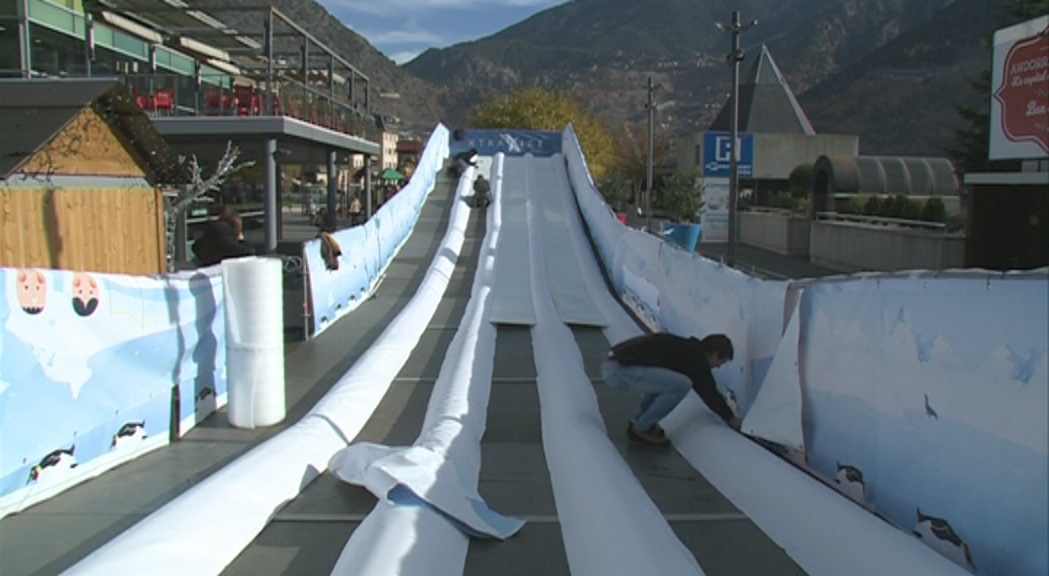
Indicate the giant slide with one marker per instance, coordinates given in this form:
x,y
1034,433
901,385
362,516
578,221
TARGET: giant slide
x,y
536,272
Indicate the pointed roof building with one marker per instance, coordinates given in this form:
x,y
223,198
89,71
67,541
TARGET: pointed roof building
x,y
766,103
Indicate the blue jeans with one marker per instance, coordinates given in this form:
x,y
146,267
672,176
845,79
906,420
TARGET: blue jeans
x,y
661,389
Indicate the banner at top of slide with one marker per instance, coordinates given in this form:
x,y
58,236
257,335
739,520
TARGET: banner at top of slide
x,y
509,142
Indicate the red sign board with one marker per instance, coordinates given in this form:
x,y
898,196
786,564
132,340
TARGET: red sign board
x,y
1024,91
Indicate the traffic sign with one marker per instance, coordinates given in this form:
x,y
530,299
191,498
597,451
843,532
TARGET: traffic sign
x,y
717,156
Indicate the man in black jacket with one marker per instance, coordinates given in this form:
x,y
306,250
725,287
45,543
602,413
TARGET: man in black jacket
x,y
463,160
222,238
663,367
482,192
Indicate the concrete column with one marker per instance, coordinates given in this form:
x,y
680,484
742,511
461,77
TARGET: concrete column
x,y
181,239
367,187
269,163
333,190
24,42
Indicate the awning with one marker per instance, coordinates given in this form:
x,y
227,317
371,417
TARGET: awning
x,y
391,174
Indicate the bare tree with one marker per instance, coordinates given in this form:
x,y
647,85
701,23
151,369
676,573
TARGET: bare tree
x,y
177,201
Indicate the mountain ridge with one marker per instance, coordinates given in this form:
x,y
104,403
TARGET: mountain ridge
x,y
820,47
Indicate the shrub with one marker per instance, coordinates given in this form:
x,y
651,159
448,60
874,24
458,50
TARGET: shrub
x,y
854,205
912,210
897,206
934,210
799,183
872,207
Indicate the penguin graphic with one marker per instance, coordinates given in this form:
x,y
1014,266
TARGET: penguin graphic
x,y
206,394
850,482
53,465
928,409
31,291
85,294
938,534
129,433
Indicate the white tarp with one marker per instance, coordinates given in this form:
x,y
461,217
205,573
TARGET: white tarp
x,y
775,414
511,292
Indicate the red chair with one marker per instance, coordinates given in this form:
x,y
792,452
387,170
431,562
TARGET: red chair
x,y
217,102
164,100
143,101
264,109
246,100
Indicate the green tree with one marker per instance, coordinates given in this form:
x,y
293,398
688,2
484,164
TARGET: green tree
x,y
618,190
972,148
934,210
538,109
800,181
681,196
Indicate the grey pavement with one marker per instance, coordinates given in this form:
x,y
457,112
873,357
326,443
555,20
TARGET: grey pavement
x,y
766,264
307,535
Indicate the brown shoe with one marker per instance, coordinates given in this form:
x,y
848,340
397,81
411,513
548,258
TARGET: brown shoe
x,y
654,436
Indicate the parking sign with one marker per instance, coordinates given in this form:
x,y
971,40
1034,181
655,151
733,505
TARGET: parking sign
x,y
717,155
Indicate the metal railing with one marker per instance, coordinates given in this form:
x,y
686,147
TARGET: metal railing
x,y
164,95
883,221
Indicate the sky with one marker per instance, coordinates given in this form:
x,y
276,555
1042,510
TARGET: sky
x,y
403,29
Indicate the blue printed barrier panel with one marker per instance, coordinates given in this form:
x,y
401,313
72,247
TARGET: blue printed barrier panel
x,y
369,248
88,367
928,397
508,142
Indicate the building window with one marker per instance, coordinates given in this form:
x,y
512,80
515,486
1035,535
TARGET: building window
x,y
10,51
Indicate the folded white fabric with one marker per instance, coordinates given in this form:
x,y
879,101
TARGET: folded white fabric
x,y
418,476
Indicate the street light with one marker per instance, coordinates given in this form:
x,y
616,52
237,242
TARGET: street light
x,y
648,164
734,58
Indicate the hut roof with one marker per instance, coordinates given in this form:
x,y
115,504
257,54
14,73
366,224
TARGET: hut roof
x,y
32,112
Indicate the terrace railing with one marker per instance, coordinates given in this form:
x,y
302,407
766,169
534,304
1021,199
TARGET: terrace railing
x,y
163,95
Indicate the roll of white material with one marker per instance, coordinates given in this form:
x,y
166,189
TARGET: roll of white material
x,y
254,303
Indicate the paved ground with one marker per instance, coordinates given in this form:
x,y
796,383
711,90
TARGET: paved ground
x,y
307,535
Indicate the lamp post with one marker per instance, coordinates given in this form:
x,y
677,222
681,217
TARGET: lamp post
x,y
648,162
734,58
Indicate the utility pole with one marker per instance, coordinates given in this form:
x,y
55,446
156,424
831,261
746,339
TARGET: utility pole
x,y
734,58
648,164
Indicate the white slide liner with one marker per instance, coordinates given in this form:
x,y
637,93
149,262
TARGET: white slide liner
x,y
417,540
609,524
512,291
571,300
205,528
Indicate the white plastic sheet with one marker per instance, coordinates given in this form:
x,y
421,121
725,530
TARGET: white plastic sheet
x,y
406,539
775,414
511,292
254,297
609,524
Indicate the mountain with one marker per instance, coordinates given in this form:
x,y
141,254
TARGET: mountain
x,y
890,71
903,97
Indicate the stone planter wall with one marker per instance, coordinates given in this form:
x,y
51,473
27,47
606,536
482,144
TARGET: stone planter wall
x,y
852,246
776,232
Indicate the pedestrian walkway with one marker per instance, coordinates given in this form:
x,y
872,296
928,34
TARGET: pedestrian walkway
x,y
765,264
307,535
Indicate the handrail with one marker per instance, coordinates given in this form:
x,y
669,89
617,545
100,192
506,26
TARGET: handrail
x,y
291,98
863,219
